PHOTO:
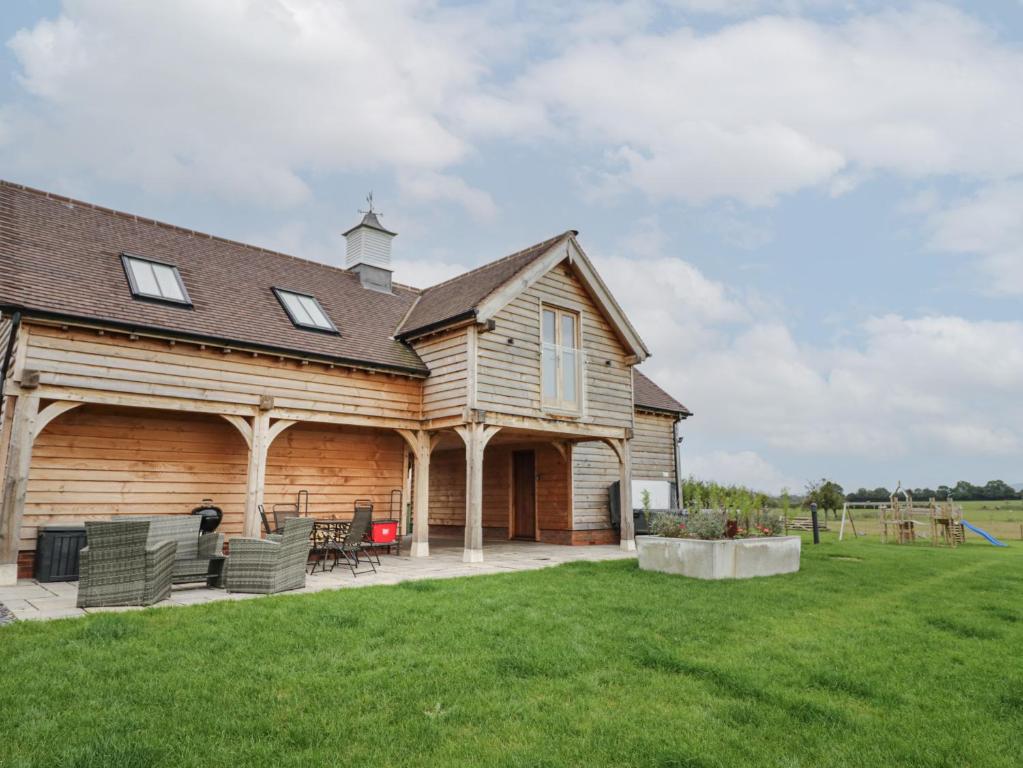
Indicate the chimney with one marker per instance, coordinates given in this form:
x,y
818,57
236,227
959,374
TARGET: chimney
x,y
369,251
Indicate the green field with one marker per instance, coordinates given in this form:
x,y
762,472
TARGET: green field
x,y
1003,519
870,656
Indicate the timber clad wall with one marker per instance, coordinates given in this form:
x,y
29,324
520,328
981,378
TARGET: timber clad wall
x,y
509,374
80,359
447,488
595,467
444,392
653,447
337,465
97,461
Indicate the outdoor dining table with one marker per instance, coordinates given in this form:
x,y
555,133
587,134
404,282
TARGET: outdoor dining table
x,y
326,531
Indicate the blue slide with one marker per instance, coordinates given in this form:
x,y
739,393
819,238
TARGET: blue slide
x,y
985,534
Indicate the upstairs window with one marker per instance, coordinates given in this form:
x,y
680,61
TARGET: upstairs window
x,y
304,311
561,359
155,280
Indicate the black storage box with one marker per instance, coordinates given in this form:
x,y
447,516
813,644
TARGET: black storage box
x,y
57,549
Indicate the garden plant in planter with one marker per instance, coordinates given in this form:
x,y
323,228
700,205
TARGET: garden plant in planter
x,y
713,544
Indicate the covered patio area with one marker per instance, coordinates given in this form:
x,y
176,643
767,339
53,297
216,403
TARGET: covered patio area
x,y
31,600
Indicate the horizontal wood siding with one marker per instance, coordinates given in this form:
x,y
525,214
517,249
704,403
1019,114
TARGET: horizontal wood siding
x,y
447,487
509,374
653,447
97,461
337,465
595,467
445,392
84,359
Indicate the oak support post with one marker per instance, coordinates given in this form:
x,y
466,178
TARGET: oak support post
x,y
476,437
628,524
256,478
421,442
12,506
421,494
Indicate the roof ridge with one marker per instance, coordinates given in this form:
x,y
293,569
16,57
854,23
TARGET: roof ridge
x,y
509,257
177,228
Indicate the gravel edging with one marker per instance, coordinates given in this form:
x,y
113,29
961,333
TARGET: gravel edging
x,y
6,617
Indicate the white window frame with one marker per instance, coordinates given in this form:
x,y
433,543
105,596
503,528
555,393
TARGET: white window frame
x,y
280,293
558,403
128,259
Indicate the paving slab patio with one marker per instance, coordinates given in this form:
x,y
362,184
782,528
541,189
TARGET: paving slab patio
x,y
34,600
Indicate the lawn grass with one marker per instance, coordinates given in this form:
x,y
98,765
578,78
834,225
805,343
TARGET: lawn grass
x,y
870,656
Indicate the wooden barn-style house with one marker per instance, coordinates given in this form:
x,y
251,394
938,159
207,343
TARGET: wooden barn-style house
x,y
147,366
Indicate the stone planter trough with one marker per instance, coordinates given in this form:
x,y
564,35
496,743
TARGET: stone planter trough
x,y
721,558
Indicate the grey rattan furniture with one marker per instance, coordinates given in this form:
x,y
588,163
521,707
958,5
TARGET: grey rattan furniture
x,y
195,549
275,564
120,567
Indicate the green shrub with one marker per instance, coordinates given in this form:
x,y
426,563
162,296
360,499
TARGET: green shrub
x,y
767,523
700,525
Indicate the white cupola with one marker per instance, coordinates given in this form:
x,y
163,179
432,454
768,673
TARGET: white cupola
x,y
369,251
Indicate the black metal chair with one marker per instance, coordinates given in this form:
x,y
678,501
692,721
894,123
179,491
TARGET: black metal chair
x,y
282,512
266,523
349,545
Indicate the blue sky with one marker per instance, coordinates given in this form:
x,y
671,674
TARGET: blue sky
x,y
812,210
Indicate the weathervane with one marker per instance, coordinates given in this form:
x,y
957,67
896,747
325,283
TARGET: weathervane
x,y
369,202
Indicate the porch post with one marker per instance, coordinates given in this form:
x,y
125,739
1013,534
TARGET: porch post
x,y
421,496
421,443
628,526
258,445
476,437
12,507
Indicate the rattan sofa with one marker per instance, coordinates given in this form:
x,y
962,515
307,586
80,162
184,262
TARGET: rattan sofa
x,y
275,564
119,566
195,549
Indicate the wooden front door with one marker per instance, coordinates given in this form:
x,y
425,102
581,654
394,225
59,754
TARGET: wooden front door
x,y
524,495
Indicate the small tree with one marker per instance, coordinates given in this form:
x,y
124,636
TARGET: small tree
x,y
827,494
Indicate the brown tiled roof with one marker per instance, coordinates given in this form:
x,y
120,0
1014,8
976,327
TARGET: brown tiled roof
x,y
459,296
62,256
646,394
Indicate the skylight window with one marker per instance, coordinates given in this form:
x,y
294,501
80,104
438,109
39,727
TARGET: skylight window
x,y
304,311
155,280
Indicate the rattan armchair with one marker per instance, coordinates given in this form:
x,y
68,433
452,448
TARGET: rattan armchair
x,y
265,566
120,567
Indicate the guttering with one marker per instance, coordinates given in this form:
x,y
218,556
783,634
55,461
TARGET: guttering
x,y
679,415
15,325
214,341
437,325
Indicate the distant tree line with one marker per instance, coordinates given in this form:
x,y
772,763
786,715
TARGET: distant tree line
x,y
993,490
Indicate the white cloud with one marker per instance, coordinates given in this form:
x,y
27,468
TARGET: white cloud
x,y
989,224
430,186
746,468
243,99
897,389
765,107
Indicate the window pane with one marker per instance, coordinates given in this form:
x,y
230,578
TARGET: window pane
x,y
310,305
549,327
142,271
550,373
568,330
168,282
296,308
569,366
